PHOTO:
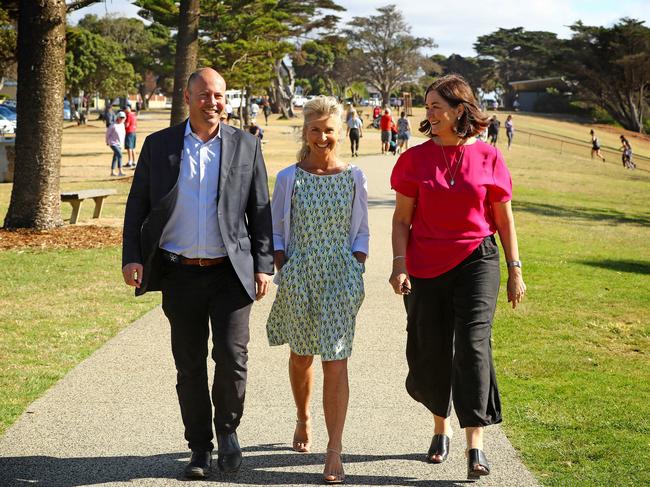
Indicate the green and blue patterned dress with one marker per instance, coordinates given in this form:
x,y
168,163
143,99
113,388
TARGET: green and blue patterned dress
x,y
321,285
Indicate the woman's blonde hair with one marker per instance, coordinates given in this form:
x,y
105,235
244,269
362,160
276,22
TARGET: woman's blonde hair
x,y
321,106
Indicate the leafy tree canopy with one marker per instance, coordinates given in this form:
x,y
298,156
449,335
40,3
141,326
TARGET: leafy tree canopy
x,y
612,68
149,49
8,38
520,54
390,54
96,64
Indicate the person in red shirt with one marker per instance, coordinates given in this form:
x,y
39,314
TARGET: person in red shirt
x,y
453,195
130,124
385,125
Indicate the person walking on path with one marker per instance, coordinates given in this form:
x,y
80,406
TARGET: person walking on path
x,y
385,125
256,130
595,146
115,134
493,130
403,132
130,124
510,130
198,228
355,132
452,195
320,236
627,153
266,109
108,114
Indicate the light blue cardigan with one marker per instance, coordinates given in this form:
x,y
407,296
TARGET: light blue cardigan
x,y
281,210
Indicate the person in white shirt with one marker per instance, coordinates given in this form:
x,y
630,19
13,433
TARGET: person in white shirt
x,y
115,134
320,240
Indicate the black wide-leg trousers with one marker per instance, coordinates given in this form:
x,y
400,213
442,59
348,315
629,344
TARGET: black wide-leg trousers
x,y
449,329
194,297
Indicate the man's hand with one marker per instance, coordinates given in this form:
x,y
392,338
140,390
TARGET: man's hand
x,y
132,274
261,285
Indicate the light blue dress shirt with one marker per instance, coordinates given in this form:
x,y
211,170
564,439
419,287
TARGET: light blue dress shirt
x,y
193,228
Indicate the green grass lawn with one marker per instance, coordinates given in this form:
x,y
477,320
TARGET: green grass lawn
x,y
573,361
56,308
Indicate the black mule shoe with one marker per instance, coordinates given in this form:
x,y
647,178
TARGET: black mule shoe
x,y
229,455
199,466
476,458
439,446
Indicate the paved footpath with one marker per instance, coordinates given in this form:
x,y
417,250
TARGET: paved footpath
x,y
114,419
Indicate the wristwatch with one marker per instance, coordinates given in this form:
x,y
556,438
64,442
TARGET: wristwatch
x,y
514,263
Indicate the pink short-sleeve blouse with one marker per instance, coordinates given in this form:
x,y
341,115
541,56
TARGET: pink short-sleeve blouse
x,y
449,222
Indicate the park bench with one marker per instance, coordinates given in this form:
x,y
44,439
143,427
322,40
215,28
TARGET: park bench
x,y
75,198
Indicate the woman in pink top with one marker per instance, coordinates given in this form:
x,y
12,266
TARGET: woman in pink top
x,y
453,195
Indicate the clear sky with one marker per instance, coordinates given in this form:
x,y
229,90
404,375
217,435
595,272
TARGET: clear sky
x,y
456,27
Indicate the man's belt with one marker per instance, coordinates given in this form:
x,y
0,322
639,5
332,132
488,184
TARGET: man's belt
x,y
179,259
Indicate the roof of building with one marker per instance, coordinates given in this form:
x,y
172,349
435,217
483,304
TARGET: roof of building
x,y
541,84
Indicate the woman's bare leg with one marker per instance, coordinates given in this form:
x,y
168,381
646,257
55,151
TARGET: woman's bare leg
x,y
301,376
474,437
336,393
441,426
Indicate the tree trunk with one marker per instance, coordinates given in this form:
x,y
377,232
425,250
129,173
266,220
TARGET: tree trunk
x,y
385,98
187,50
35,199
289,88
143,95
283,91
278,96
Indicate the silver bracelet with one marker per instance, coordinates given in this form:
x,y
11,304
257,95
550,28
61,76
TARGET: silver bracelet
x,y
399,257
514,263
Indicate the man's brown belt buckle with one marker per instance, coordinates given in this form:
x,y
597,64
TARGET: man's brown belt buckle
x,y
201,264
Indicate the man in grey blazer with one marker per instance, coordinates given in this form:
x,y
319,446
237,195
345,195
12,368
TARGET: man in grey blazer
x,y
198,228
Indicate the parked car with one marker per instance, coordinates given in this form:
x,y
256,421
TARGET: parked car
x,y
299,101
9,102
67,113
7,126
8,113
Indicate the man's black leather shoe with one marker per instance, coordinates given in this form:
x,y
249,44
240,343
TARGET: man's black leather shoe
x,y
229,459
199,466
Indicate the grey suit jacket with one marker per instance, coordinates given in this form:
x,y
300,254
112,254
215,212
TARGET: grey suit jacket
x,y
243,207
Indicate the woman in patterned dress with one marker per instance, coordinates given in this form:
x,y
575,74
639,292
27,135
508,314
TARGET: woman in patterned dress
x,y
320,236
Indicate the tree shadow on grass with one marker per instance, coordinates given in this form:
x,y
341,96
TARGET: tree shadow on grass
x,y
259,468
586,214
107,154
629,266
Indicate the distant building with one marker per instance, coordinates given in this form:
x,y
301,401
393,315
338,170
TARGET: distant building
x,y
529,92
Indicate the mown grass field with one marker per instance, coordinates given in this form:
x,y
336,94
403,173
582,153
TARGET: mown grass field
x,y
573,361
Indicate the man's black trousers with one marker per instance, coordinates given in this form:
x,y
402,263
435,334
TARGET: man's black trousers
x,y
193,298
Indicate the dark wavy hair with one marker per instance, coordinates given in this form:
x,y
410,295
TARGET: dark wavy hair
x,y
456,91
